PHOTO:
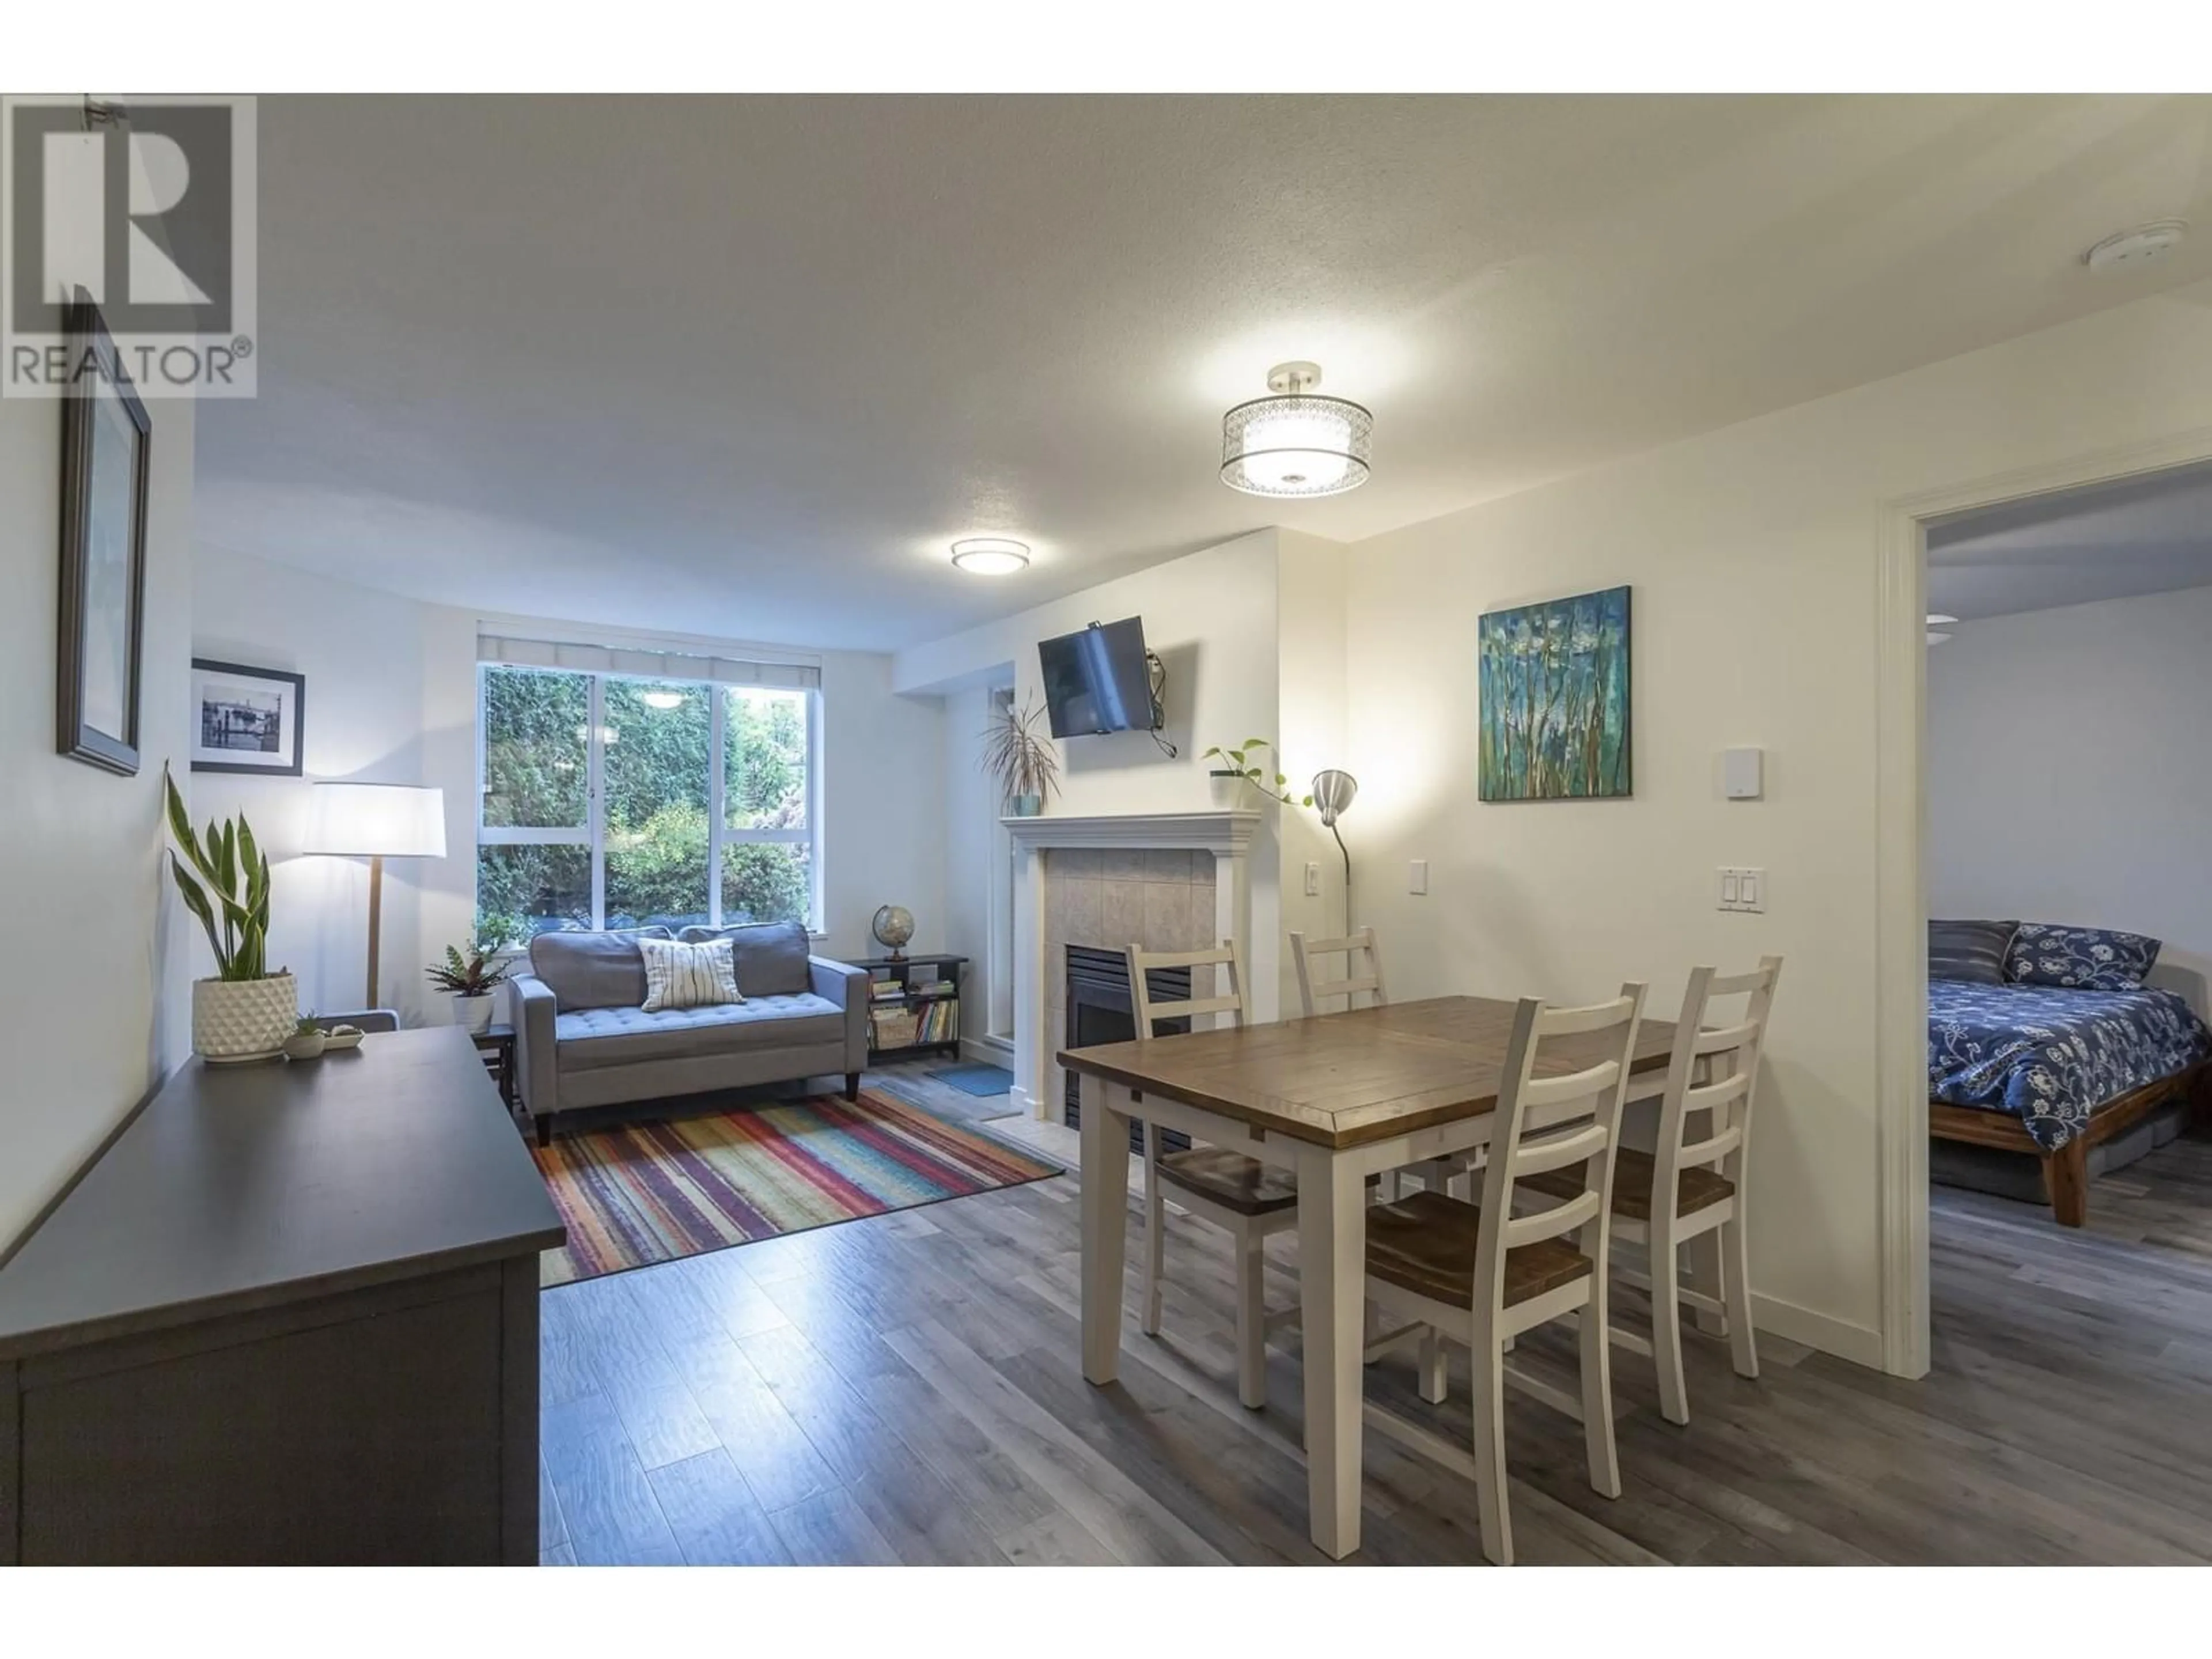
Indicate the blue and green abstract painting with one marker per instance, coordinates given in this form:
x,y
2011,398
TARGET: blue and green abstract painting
x,y
1554,690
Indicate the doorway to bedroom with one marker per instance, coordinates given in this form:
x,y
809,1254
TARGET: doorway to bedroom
x,y
2066,787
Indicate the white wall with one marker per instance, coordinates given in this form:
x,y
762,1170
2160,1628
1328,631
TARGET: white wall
x,y
1753,555
2070,769
361,652
94,1009
1312,589
883,819
1213,618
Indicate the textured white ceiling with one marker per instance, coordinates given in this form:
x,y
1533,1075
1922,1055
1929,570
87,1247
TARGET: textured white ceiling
x,y
2146,535
744,366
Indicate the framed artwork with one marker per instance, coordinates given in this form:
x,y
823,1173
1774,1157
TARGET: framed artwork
x,y
106,442
246,720
1555,704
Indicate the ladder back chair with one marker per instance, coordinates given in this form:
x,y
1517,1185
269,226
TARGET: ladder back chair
x,y
1686,1190
1479,1275
1435,1174
1246,1199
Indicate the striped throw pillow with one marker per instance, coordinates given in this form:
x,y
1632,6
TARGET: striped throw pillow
x,y
1971,951
680,976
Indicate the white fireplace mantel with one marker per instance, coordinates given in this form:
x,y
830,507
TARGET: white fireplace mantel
x,y
1224,833
1228,836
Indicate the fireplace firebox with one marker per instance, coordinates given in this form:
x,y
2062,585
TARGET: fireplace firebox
x,y
1100,1010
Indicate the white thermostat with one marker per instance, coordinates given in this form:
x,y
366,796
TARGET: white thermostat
x,y
1741,770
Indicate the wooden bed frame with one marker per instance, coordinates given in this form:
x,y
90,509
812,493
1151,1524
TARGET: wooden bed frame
x,y
2066,1172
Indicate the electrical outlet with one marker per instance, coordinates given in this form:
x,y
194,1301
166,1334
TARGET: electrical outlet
x,y
1313,878
1416,877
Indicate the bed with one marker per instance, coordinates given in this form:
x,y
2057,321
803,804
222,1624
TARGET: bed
x,y
2055,1070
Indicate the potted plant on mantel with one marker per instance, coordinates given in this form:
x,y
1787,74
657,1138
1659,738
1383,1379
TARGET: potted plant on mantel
x,y
1027,770
472,979
1236,770
245,1012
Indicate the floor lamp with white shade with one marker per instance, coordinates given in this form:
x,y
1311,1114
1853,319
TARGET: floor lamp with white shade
x,y
376,821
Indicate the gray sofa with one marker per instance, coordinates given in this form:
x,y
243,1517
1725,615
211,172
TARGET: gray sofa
x,y
582,1037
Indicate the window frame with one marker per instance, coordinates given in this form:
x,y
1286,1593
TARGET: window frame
x,y
592,834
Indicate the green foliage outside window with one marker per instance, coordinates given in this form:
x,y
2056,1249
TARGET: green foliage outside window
x,y
654,766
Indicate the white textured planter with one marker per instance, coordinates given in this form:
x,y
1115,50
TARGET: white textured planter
x,y
473,1014
243,1018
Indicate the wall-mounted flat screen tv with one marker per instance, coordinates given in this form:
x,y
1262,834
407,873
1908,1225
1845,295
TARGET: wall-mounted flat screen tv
x,y
1099,680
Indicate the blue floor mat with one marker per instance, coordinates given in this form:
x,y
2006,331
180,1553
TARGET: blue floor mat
x,y
975,1079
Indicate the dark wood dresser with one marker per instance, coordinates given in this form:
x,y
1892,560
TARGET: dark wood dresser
x,y
291,1315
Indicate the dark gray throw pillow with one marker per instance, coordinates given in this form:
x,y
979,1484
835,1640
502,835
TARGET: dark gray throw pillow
x,y
1971,950
771,956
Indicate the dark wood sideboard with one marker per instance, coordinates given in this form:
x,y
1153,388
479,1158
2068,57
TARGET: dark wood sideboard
x,y
291,1315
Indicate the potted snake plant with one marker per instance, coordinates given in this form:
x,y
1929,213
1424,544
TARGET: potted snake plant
x,y
244,1012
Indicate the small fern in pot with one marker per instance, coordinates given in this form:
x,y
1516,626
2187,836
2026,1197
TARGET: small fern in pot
x,y
472,978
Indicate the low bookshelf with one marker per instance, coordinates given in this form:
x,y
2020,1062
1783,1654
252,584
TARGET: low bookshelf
x,y
914,1005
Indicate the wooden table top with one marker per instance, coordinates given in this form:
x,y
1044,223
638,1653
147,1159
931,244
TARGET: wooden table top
x,y
1344,1079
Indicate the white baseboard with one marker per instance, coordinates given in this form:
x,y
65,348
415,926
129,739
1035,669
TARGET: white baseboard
x,y
989,1051
1860,1343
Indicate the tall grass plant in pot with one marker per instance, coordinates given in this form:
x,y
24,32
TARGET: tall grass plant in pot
x,y
244,1011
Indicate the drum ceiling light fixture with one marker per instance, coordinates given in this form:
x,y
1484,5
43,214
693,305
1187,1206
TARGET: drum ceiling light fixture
x,y
1294,443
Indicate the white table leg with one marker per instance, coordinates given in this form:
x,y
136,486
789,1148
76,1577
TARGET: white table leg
x,y
1332,1292
1105,1227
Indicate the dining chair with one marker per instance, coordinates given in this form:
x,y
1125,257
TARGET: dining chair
x,y
1684,1190
1435,1174
1246,1199
1480,1275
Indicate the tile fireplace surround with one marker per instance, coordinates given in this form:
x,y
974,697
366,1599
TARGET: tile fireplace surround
x,y
1168,881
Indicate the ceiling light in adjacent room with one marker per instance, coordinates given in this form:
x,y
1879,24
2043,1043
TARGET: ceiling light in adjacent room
x,y
1294,443
1936,622
990,555
2139,246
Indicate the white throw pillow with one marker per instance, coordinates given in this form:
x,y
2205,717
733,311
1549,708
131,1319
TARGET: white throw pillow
x,y
680,976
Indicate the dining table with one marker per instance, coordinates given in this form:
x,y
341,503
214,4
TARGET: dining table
x,y
1334,1098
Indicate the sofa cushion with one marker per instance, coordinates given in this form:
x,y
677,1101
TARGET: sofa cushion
x,y
771,956
594,970
593,1037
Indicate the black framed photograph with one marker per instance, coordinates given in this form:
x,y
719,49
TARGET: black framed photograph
x,y
106,447
246,720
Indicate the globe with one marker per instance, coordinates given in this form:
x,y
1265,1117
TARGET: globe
x,y
894,927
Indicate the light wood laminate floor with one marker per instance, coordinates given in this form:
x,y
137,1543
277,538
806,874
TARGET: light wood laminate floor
x,y
909,1390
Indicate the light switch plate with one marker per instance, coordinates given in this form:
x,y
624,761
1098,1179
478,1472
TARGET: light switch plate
x,y
1742,888
1313,878
1416,877
1743,772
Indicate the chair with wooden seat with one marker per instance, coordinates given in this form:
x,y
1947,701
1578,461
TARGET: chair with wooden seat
x,y
1246,1199
1480,1275
1435,1174
1684,1190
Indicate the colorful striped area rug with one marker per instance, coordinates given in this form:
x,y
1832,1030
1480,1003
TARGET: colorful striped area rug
x,y
641,1192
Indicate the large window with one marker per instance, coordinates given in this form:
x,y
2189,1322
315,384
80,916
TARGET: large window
x,y
614,801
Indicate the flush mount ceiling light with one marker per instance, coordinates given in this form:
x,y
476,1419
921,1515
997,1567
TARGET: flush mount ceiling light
x,y
2139,246
662,699
990,555
1294,443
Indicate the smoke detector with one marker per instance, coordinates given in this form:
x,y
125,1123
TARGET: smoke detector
x,y
2131,248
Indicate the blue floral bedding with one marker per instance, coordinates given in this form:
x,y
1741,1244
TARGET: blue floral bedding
x,y
2046,1056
